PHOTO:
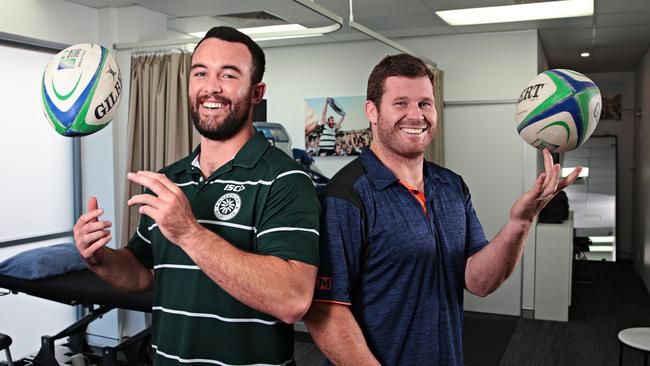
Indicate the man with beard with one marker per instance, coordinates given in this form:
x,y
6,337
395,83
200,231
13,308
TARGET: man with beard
x,y
228,236
400,238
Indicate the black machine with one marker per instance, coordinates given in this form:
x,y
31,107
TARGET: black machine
x,y
86,289
278,136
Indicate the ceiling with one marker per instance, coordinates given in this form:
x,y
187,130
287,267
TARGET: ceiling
x,y
617,35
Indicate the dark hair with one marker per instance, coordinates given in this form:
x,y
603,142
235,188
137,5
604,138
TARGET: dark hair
x,y
394,65
229,34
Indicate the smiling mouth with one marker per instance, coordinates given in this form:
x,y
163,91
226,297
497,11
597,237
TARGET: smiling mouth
x,y
413,130
213,105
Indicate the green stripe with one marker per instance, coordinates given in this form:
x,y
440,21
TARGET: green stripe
x,y
66,96
60,128
559,123
563,91
584,97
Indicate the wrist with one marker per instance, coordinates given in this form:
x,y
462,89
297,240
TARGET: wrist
x,y
191,234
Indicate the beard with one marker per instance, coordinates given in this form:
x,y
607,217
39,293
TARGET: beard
x,y
391,137
233,122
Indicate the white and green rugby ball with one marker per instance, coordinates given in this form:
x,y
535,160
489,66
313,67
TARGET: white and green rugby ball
x,y
81,89
558,110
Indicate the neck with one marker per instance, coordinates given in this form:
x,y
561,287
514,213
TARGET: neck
x,y
408,170
214,154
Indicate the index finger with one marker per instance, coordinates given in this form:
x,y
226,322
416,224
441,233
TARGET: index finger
x,y
89,216
548,162
153,184
161,178
569,179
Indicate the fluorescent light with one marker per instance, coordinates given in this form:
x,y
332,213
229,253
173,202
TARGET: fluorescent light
x,y
270,38
585,54
583,174
272,28
265,30
518,13
601,239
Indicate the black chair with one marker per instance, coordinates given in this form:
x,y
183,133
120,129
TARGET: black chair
x,y
5,342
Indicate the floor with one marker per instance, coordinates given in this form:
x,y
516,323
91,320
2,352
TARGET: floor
x,y
608,298
614,299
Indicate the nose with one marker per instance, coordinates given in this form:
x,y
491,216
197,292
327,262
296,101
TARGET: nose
x,y
213,84
414,112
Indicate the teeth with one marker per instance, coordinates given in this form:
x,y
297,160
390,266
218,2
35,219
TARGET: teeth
x,y
413,131
212,105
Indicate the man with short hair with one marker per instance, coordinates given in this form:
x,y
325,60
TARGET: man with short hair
x,y
400,238
228,236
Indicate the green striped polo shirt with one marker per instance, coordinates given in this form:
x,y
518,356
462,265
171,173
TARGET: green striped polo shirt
x,y
261,202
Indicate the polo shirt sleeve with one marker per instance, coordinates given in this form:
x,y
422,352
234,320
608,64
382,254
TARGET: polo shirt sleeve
x,y
140,243
288,227
341,251
475,235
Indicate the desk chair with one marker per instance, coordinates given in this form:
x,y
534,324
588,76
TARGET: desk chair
x,y
5,342
638,338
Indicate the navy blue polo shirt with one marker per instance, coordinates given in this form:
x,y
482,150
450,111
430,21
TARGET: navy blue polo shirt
x,y
401,270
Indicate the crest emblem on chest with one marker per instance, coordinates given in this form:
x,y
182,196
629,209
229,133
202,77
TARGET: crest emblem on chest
x,y
227,206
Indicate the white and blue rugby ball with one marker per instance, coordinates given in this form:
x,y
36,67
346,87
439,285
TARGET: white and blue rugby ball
x,y
558,110
81,89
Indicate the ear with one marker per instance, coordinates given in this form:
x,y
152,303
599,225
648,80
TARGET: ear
x,y
258,92
371,112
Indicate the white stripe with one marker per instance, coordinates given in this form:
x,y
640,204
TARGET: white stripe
x,y
293,172
296,172
248,182
137,230
215,316
187,183
263,182
221,223
214,362
177,266
287,229
152,226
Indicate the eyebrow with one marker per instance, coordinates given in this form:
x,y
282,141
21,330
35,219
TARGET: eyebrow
x,y
224,67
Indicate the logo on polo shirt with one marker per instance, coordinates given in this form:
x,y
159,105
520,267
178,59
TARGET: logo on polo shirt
x,y
323,283
227,206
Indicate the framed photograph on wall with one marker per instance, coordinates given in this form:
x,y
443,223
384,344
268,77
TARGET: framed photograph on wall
x,y
336,126
612,94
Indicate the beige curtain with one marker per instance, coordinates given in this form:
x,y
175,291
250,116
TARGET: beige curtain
x,y
160,131
435,152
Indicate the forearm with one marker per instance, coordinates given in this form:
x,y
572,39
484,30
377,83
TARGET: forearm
x,y
338,334
122,270
489,268
268,284
310,127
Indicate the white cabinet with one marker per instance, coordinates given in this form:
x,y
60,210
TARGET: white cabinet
x,y
553,268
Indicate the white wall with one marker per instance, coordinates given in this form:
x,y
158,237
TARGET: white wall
x,y
479,140
641,247
52,21
624,132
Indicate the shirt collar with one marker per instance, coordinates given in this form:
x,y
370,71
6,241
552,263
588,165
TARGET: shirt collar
x,y
247,156
378,173
382,177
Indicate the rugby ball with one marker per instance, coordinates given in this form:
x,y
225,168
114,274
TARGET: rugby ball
x,y
558,110
81,89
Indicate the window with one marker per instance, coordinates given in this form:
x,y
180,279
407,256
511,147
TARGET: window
x,y
37,180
